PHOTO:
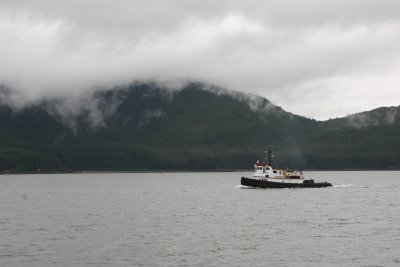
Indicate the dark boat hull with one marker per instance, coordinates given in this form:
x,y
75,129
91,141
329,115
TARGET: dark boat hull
x,y
267,184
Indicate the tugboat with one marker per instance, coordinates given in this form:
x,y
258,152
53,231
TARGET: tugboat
x,y
265,176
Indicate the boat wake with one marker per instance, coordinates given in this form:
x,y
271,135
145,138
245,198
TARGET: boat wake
x,y
244,187
362,186
343,185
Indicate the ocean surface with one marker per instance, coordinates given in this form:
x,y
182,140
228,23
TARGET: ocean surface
x,y
198,219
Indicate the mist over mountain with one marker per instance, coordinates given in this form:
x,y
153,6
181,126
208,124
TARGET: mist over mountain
x,y
148,126
308,51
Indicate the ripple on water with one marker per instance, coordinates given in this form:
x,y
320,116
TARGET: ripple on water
x,y
197,219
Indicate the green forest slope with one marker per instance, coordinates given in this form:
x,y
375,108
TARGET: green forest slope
x,y
146,127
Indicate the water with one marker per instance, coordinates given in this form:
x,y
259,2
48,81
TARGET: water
x,y
198,219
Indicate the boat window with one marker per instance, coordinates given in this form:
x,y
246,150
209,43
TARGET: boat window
x,y
274,171
266,168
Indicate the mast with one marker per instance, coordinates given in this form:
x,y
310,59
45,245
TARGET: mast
x,y
269,156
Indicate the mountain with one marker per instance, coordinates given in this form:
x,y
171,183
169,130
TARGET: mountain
x,y
363,140
144,126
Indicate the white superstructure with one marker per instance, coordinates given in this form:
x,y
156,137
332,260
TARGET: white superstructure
x,y
265,172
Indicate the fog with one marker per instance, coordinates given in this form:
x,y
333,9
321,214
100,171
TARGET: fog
x,y
320,59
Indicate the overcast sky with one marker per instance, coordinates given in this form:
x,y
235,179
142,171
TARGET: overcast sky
x,y
316,58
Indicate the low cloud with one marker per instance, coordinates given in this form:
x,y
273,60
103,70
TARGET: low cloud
x,y
320,59
381,116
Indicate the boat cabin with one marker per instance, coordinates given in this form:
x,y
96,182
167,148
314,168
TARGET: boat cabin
x,y
262,167
265,170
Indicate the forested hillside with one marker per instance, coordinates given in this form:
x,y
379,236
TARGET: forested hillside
x,y
147,127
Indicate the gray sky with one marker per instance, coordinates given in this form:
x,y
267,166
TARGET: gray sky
x,y
316,58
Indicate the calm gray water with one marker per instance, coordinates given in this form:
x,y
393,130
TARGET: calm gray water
x,y
198,219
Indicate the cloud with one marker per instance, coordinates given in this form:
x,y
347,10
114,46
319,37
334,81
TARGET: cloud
x,y
315,58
